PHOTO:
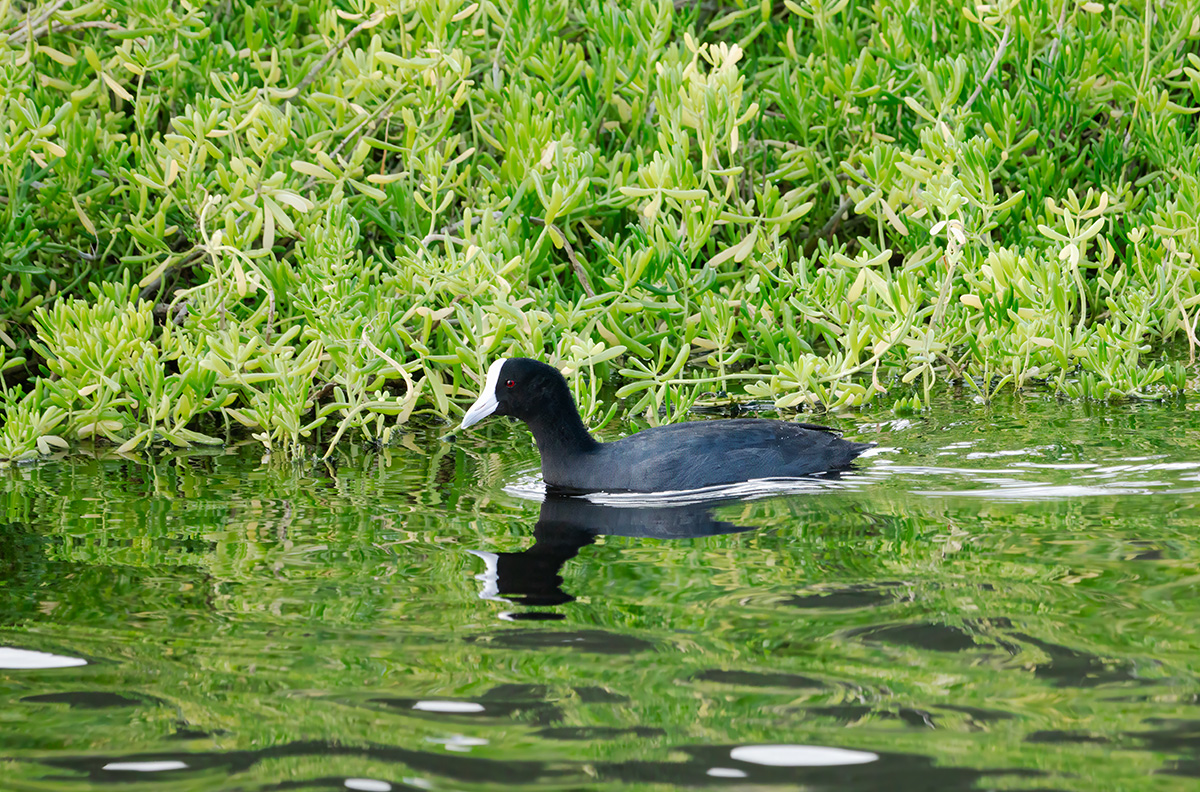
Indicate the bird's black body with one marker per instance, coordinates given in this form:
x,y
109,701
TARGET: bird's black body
x,y
667,458
703,454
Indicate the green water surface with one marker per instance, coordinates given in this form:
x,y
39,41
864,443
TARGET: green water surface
x,y
999,597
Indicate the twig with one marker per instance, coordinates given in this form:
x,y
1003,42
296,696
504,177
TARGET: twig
x,y
580,272
31,28
991,69
458,224
325,390
383,115
155,285
379,116
900,333
1062,20
939,310
410,396
1147,21
94,23
1188,329
321,64
174,313
498,57
952,365
712,8
444,236
831,225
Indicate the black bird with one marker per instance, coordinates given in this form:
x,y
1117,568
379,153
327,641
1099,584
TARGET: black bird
x,y
684,456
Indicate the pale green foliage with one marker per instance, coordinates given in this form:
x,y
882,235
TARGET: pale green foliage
x,y
353,210
110,374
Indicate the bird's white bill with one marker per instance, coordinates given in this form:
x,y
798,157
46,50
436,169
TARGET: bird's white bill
x,y
486,404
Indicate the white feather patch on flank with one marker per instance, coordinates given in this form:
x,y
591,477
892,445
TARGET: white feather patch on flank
x,y
486,404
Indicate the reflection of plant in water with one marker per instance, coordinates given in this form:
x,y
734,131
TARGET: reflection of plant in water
x,y
273,608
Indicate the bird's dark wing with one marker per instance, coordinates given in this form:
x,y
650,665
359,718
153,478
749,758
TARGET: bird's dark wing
x,y
708,453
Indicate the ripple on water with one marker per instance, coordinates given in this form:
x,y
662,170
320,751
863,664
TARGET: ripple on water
x,y
978,587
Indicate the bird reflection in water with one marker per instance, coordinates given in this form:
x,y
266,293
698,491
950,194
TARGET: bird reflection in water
x,y
533,577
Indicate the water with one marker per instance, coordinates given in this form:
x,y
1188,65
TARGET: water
x,y
998,598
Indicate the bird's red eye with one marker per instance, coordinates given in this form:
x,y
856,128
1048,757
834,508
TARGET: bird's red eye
x,y
510,383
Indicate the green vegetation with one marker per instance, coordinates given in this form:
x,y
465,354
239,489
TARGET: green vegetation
x,y
282,215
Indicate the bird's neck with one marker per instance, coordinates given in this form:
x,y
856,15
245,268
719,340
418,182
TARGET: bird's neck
x,y
560,434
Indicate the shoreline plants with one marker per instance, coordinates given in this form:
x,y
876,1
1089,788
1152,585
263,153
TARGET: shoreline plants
x,y
289,216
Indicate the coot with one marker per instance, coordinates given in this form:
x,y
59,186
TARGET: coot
x,y
667,458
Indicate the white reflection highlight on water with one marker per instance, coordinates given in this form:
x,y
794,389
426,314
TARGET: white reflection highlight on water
x,y
1057,465
448,706
458,742
726,772
160,766
490,576
1039,491
800,755
13,658
1010,452
535,490
367,784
